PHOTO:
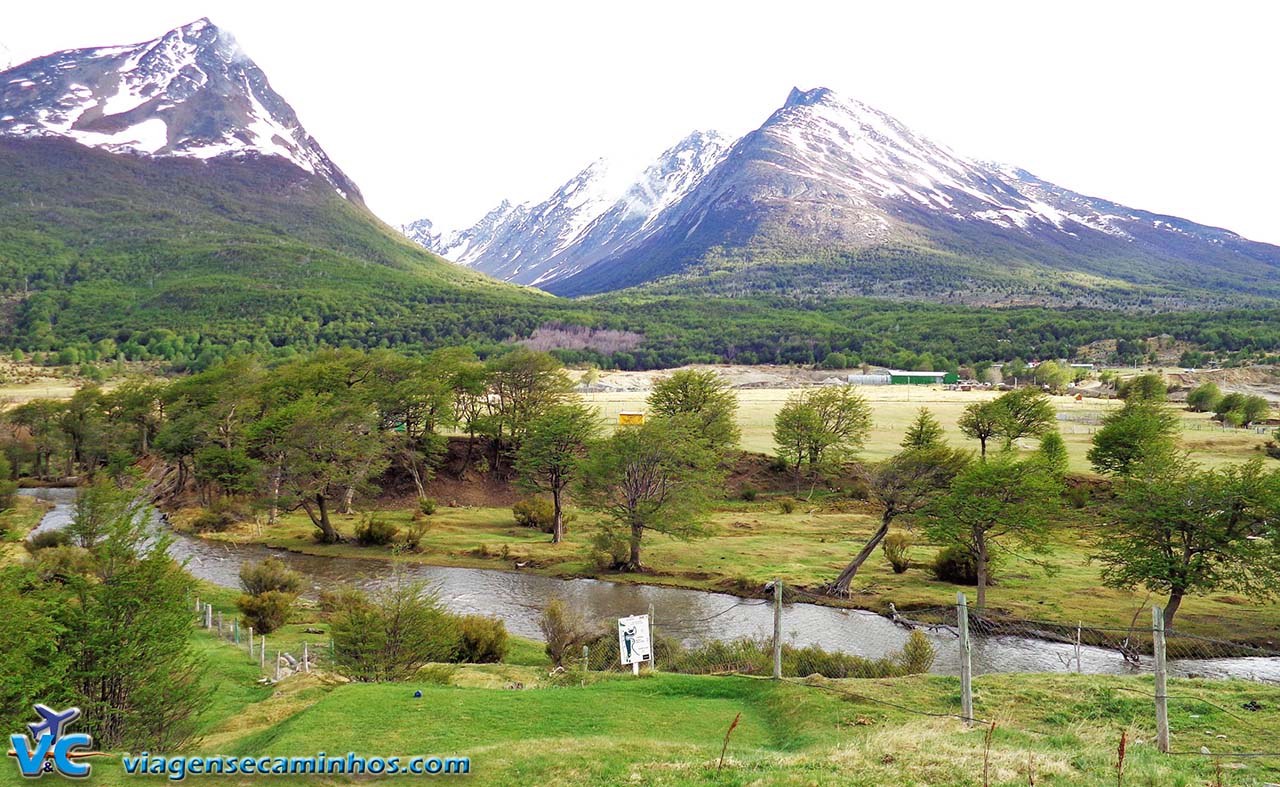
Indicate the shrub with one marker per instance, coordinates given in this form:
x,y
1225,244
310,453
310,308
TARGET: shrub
x,y
391,633
748,493
955,565
1077,496
375,532
895,546
46,539
266,612
564,631
608,549
414,535
918,654
858,489
1204,398
787,505
483,640
269,575
1273,447
8,487
427,505
535,512
62,562
212,521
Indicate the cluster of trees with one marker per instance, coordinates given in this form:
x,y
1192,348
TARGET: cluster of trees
x,y
1179,528
1233,409
100,619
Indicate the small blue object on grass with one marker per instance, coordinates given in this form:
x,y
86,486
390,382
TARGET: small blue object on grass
x,y
417,695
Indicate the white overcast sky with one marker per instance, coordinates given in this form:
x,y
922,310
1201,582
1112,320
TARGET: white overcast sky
x,y
441,109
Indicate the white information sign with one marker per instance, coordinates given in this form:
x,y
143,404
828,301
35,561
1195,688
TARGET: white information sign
x,y
634,647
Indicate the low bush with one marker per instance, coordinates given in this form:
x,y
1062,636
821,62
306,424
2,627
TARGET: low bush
x,y
414,534
748,493
375,532
895,546
483,640
787,505
1273,448
47,539
564,631
268,575
608,549
391,633
427,506
955,565
212,521
266,612
535,512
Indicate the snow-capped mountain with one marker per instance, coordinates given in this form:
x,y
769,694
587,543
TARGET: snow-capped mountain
x,y
189,93
832,196
584,221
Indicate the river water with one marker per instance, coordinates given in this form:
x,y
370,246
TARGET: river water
x,y
692,616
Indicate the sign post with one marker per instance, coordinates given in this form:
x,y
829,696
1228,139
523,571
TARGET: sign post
x,y
634,645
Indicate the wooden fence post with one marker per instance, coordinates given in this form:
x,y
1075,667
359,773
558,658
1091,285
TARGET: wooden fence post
x,y
966,662
1162,693
262,653
777,629
306,658
251,643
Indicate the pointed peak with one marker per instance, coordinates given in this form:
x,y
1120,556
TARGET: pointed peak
x,y
804,98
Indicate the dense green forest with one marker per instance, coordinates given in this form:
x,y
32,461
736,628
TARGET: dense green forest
x,y
188,262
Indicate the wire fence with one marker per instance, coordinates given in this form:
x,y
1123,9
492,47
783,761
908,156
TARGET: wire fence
x,y
963,642
273,662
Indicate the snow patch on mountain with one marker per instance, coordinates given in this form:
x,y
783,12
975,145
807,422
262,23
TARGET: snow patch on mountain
x,y
189,93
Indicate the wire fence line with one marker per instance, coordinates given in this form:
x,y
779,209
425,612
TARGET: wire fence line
x,y
273,663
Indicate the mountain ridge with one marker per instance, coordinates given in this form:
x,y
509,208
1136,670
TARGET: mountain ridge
x,y
830,196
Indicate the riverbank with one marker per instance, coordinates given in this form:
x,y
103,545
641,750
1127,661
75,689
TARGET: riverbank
x,y
751,543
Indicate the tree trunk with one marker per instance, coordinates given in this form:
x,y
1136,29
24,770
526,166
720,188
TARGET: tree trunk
x,y
274,512
327,534
347,499
557,522
633,563
1171,608
980,541
841,585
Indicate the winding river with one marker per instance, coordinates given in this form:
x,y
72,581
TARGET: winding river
x,y
692,616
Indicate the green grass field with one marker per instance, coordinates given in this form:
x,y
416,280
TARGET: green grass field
x,y
894,407
667,730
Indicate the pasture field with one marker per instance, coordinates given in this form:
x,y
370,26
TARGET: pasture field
x,y
894,406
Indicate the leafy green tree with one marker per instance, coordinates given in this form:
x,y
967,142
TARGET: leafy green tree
x,y
327,447
522,384
33,667
706,399
658,477
126,635
1204,398
924,431
1137,431
40,418
904,485
135,405
8,487
1024,413
822,428
1144,388
84,427
1053,375
998,505
1053,452
391,633
1183,530
551,453
1015,372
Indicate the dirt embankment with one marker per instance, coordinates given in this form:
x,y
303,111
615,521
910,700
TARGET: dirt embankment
x,y
1262,381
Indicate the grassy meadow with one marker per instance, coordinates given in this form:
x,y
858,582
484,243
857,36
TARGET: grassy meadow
x,y
894,406
667,730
